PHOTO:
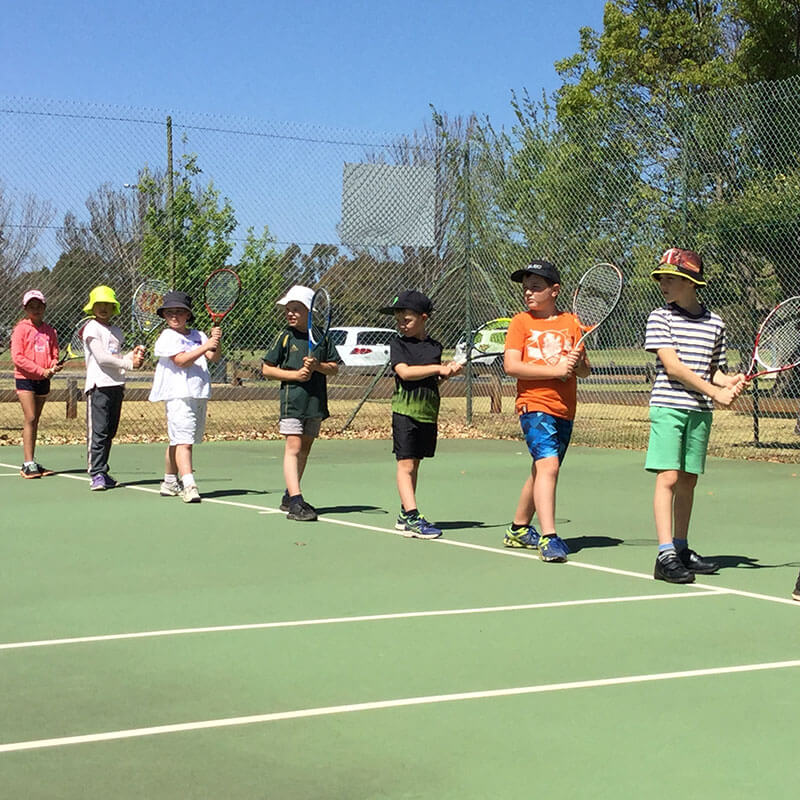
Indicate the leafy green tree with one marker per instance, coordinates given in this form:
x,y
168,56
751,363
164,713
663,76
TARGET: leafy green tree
x,y
194,230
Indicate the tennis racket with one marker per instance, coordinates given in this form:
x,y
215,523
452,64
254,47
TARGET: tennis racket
x,y
74,347
147,299
488,343
221,292
777,345
319,319
595,297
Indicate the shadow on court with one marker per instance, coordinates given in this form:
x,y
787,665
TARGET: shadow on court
x,y
351,510
735,562
455,524
578,543
233,493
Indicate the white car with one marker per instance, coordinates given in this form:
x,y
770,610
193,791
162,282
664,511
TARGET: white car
x,y
362,347
488,345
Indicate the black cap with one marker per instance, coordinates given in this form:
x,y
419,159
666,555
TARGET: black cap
x,y
411,300
176,300
544,269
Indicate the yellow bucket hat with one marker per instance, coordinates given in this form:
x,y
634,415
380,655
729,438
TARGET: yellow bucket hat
x,y
101,294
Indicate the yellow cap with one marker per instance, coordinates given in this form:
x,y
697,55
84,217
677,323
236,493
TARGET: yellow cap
x,y
101,294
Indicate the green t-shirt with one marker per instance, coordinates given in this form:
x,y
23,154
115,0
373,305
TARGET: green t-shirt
x,y
416,399
307,400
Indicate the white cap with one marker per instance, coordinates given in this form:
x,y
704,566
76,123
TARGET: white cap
x,y
301,294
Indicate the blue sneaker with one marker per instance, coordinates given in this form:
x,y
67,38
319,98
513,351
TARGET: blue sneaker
x,y
416,527
527,537
109,481
98,483
553,548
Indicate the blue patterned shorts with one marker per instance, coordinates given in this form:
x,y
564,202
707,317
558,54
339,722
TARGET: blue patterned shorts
x,y
546,435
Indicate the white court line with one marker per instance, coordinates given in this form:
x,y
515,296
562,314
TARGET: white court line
x,y
110,637
403,702
455,543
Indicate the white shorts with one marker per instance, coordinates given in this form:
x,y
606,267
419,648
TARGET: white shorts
x,y
186,420
300,427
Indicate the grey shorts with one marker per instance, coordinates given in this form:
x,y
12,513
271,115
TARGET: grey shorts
x,y
300,427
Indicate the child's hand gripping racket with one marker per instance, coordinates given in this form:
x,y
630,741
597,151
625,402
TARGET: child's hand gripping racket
x,y
777,345
74,347
595,297
319,320
487,345
221,293
147,299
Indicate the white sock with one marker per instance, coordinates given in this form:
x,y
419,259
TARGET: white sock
x,y
188,479
170,480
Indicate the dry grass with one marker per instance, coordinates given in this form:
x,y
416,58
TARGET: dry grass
x,y
597,425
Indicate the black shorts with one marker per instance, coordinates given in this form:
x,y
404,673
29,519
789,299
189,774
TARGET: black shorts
x,y
40,388
413,439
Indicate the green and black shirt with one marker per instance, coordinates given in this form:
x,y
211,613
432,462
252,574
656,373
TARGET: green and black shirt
x,y
307,400
416,399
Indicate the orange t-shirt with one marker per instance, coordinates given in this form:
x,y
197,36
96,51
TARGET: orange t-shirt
x,y
545,341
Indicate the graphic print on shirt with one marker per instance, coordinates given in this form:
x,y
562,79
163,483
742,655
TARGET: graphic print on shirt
x,y
547,347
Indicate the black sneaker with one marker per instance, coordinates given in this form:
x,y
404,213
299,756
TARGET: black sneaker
x,y
671,570
796,592
284,506
302,512
30,471
695,563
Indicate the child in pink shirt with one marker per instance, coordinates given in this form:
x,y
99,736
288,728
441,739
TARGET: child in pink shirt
x,y
34,352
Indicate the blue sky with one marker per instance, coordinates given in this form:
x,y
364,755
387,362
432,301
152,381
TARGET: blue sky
x,y
350,63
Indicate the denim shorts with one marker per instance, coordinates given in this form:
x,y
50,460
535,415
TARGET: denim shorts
x,y
546,435
38,387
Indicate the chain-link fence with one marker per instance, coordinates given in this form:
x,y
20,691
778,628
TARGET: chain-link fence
x,y
92,195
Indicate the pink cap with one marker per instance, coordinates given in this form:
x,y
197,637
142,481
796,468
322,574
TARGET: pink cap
x,y
32,294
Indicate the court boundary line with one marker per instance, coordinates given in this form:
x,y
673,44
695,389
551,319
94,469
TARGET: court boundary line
x,y
455,543
377,705
252,626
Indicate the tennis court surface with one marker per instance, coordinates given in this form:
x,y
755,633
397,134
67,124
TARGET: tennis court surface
x,y
152,649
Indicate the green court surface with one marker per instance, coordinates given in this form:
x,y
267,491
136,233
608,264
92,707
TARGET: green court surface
x,y
152,649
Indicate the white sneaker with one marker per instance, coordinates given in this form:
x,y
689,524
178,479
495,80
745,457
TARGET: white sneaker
x,y
170,489
190,494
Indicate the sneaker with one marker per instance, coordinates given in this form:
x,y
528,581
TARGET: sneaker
x,y
671,570
527,537
30,471
284,506
302,512
170,489
98,483
110,482
416,527
695,563
796,592
190,494
44,471
553,548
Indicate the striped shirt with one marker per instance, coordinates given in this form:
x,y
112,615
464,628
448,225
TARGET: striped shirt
x,y
699,342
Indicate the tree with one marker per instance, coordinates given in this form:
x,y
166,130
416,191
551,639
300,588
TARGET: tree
x,y
113,234
195,229
20,231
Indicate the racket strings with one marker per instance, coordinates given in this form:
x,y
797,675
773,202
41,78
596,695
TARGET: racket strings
x,y
146,302
222,291
596,295
319,316
779,339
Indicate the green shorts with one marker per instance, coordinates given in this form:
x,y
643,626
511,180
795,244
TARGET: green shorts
x,y
678,440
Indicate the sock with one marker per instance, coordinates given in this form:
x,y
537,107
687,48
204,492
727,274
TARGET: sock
x,y
170,479
28,463
412,513
515,527
188,479
295,498
666,550
680,544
